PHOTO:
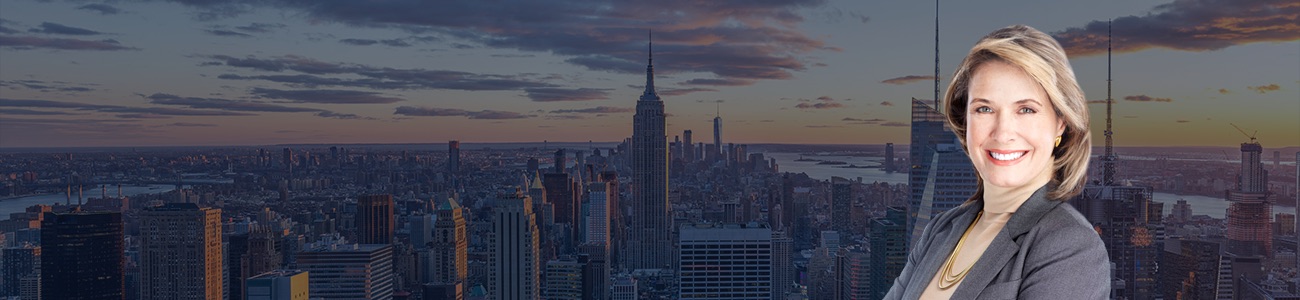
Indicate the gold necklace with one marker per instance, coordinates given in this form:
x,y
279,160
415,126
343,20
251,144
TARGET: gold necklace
x,y
948,280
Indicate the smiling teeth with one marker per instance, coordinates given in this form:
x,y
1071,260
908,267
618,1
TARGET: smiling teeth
x,y
1009,156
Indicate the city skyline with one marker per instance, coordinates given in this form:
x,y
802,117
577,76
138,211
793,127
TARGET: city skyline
x,y
814,72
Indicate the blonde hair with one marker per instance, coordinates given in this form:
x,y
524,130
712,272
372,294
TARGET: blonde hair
x,y
1043,59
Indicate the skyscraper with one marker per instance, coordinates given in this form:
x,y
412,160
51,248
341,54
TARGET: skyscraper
x,y
598,196
1249,232
348,271
782,269
726,262
942,176
650,243
560,193
374,219
688,149
889,158
450,244
717,135
841,202
1126,219
19,262
888,251
516,268
81,256
453,157
180,252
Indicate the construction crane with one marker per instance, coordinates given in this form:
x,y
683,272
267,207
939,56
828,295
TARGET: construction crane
x,y
1243,132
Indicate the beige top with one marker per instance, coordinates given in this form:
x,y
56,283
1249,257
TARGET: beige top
x,y
985,230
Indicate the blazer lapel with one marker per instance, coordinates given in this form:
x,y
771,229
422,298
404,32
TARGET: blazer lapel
x,y
938,253
1005,245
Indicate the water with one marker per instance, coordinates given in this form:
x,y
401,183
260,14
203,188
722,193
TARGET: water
x,y
787,163
8,206
1201,205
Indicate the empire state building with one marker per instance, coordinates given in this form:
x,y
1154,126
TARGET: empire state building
x,y
650,245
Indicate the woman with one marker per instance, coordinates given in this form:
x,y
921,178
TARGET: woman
x,y
1016,108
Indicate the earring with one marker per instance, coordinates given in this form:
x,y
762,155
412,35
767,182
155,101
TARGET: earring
x,y
1058,141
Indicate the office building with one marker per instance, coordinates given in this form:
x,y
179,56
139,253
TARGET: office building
x,y
783,272
650,245
181,255
841,206
279,285
348,271
942,176
453,157
730,261
888,251
516,269
81,256
450,244
19,262
563,279
374,219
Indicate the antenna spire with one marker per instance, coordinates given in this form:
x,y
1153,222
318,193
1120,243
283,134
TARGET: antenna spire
x,y
649,93
936,56
1108,172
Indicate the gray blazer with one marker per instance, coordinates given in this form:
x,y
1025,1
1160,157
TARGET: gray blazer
x,y
1047,250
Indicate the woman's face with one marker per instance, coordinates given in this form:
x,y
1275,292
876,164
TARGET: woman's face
x,y
1010,126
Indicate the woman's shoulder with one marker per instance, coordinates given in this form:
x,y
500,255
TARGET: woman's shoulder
x,y
1064,224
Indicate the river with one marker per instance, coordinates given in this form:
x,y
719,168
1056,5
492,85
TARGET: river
x,y
8,206
1201,205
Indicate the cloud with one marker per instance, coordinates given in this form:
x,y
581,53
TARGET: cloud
x,y
1265,88
326,96
261,27
745,39
822,102
47,87
1224,91
223,104
186,124
823,126
1182,121
103,9
718,82
19,111
223,32
422,111
243,106
894,124
31,42
1102,101
165,111
370,77
368,42
886,103
1189,25
820,105
562,94
1145,98
55,28
908,79
859,121
679,92
594,110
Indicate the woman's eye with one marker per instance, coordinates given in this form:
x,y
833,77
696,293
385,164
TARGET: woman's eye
x,y
1026,110
983,109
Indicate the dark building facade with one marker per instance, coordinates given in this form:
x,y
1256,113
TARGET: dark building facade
x,y
81,256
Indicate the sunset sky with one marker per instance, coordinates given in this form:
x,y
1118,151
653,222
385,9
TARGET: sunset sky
x,y
244,72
